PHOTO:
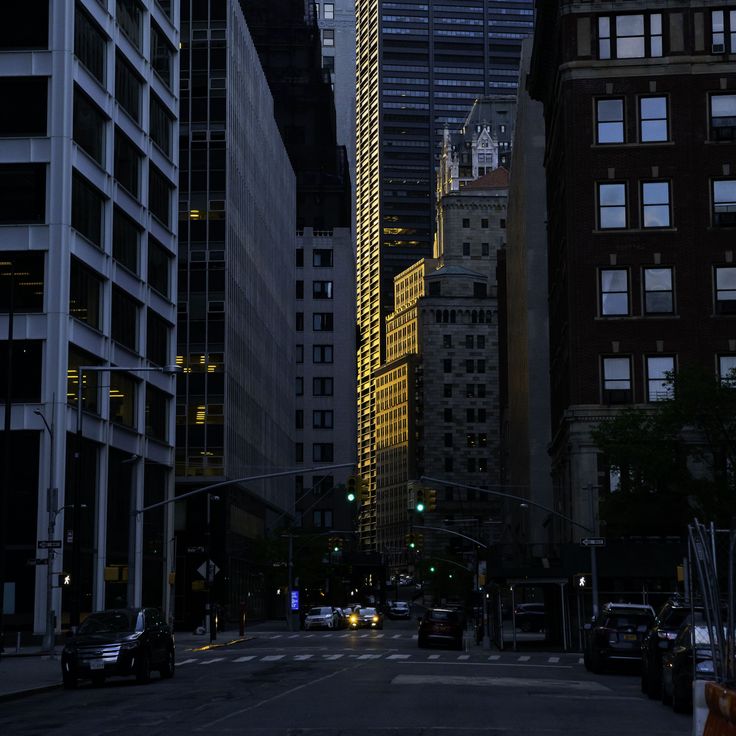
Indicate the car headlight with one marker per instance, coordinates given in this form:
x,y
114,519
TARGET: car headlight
x,y
353,619
375,619
128,645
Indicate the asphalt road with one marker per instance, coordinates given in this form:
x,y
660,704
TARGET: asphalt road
x,y
355,683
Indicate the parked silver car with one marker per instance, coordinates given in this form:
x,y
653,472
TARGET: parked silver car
x,y
322,617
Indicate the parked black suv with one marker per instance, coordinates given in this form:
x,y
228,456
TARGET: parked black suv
x,y
659,640
120,641
616,634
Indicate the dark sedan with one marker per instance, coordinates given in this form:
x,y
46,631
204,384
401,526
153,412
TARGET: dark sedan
x,y
121,641
616,634
441,626
366,618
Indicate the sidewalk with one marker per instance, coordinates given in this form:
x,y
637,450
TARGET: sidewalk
x,y
29,670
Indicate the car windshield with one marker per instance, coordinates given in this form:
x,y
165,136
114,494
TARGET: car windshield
x,y
320,612
443,616
112,622
368,611
630,620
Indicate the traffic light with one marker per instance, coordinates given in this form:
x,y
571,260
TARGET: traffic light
x,y
431,499
411,542
362,489
432,568
420,499
352,491
418,542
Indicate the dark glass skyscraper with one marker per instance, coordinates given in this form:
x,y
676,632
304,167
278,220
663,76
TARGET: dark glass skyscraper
x,y
420,65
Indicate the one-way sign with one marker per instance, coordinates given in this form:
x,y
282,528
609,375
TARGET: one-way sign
x,y
50,544
593,542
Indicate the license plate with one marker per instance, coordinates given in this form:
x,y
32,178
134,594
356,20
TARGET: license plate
x,y
97,664
629,637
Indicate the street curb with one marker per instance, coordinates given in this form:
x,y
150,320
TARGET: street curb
x,y
17,695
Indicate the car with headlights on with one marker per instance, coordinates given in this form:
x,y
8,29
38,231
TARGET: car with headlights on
x,y
321,617
366,618
119,642
399,609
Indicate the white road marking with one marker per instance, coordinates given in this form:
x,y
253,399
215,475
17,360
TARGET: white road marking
x,y
369,656
553,659
294,636
212,661
519,682
433,656
581,661
272,657
396,636
245,659
523,659
494,657
398,656
185,661
276,636
302,657
379,636
464,656
332,657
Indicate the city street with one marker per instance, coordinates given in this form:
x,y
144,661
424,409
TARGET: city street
x,y
354,683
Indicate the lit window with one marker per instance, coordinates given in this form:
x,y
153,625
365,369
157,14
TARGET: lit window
x,y
614,292
329,13
611,206
724,202
328,37
630,37
723,29
725,282
658,294
617,378
653,119
659,369
610,121
723,117
655,197
727,369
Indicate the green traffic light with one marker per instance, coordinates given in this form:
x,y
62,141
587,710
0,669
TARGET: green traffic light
x,y
432,569
420,507
335,549
412,545
351,497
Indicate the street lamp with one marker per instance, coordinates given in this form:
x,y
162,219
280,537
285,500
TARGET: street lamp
x,y
81,370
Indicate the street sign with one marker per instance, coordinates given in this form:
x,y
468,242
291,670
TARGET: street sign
x,y
194,549
294,600
202,570
38,561
50,544
593,542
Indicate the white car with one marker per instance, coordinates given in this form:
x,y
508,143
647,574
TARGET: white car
x,y
323,617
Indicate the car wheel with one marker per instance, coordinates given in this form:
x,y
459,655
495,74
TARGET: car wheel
x,y
653,685
69,679
143,669
597,663
167,671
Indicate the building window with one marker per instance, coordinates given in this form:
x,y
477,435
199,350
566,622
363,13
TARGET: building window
x,y
157,339
481,414
299,289
724,202
322,289
480,342
300,353
322,257
299,452
448,466
329,13
470,415
723,30
448,439
23,194
469,342
89,45
614,289
727,369
629,37
470,366
123,399
722,117
159,196
127,164
484,222
658,292
87,208
466,249
653,125
328,37
322,322
299,419
322,419
124,324
161,125
447,365
127,88
162,56
446,341
485,249
27,371
610,120
299,386
322,518
659,368
447,415
85,287
447,390
617,379
126,238
300,257
725,290
655,197
322,386
323,452
28,116
611,206
300,321
159,267
130,19
322,354
466,222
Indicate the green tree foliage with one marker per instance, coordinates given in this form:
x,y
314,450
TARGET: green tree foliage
x,y
676,458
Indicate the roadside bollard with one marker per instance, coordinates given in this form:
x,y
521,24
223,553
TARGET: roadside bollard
x,y
17,642
242,619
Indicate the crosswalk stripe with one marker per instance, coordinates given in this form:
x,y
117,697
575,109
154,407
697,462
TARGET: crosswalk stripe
x,y
294,636
245,659
302,657
212,661
433,656
369,656
581,660
272,657
398,656
494,657
275,636
464,656
363,636
553,659
523,659
185,661
396,636
332,657
379,636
